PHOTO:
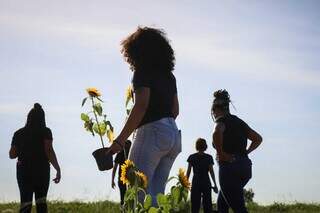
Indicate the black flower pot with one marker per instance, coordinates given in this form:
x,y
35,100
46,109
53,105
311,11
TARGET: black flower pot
x,y
103,158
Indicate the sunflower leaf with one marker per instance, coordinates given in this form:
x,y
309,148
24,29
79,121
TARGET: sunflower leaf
x,y
147,202
84,101
84,117
98,108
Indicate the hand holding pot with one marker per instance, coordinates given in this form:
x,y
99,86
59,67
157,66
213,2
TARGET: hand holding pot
x,y
117,146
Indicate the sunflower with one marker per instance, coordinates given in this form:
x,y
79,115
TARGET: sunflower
x,y
142,178
93,92
183,179
125,170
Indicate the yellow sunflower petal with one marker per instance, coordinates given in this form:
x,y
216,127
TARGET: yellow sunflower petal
x,y
183,179
110,135
93,92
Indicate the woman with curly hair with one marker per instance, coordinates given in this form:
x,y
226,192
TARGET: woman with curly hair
x,y
157,139
230,141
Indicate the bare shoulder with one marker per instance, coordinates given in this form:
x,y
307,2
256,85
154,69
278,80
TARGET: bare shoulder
x,y
219,127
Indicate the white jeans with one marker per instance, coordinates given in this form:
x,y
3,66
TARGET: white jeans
x,y
156,145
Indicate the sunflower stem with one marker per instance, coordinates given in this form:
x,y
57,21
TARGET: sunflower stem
x,y
96,117
136,195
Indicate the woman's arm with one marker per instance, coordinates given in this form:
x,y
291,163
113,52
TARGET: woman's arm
x,y
217,141
139,109
211,171
212,174
52,159
13,152
189,170
255,138
175,107
113,175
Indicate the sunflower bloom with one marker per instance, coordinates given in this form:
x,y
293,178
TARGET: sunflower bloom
x,y
125,168
93,92
183,179
143,178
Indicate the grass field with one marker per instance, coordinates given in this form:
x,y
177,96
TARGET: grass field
x,y
106,207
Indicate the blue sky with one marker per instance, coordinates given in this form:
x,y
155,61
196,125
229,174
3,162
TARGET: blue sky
x,y
265,53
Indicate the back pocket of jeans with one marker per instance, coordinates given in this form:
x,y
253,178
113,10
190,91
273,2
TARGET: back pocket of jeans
x,y
164,138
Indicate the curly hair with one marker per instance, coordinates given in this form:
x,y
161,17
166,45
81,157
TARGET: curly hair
x,y
201,144
148,49
221,100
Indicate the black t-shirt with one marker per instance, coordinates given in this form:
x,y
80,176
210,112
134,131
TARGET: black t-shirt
x,y
119,159
200,164
30,146
162,91
235,135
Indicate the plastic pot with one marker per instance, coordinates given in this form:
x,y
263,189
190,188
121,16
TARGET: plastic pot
x,y
103,158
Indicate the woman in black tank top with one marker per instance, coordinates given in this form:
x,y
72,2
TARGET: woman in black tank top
x,y
230,141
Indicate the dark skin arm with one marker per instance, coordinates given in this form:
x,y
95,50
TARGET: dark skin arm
x,y
141,96
13,152
189,170
255,139
217,141
211,171
114,170
52,159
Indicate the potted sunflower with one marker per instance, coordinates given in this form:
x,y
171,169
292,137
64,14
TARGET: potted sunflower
x,y
95,122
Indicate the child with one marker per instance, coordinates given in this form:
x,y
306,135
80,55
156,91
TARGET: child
x,y
202,164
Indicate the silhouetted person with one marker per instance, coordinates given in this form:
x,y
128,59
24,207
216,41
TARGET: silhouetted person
x,y
157,140
118,161
230,140
202,165
32,145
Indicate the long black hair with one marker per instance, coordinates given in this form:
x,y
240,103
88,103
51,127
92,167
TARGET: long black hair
x,y
36,118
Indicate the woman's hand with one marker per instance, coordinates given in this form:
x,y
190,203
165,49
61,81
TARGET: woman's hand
x,y
58,177
113,184
117,146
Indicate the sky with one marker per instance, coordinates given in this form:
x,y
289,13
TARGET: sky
x,y
265,53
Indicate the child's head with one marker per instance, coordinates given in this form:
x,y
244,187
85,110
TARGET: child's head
x,y
201,145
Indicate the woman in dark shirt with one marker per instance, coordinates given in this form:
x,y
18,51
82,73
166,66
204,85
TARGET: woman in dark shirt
x,y
118,161
157,139
202,164
32,145
230,140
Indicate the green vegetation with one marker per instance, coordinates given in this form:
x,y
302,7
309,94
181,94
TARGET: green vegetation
x,y
107,206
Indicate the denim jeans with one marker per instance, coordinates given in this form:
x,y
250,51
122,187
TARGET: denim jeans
x,y
155,147
233,177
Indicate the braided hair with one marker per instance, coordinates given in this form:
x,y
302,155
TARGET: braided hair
x,y
221,100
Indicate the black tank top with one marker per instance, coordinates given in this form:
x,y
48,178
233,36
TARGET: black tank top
x,y
235,135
